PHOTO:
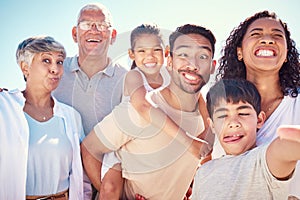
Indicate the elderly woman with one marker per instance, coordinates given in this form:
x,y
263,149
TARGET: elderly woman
x,y
40,137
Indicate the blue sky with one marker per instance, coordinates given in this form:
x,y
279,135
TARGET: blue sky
x,y
21,19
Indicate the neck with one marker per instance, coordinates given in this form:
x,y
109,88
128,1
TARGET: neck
x,y
268,86
181,100
38,99
92,64
270,91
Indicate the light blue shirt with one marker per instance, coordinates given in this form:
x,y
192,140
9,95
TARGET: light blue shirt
x,y
48,140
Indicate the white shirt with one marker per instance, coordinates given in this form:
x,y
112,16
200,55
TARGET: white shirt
x,y
14,134
287,113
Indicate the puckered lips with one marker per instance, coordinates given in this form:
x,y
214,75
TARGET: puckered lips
x,y
233,138
54,78
265,52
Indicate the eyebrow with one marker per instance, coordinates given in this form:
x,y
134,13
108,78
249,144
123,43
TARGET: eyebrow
x,y
200,47
261,29
222,109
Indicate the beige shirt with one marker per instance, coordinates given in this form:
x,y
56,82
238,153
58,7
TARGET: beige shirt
x,y
154,164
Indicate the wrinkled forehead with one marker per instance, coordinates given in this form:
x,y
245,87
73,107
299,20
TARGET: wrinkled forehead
x,y
192,41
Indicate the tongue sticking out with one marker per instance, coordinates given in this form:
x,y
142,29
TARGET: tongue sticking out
x,y
232,138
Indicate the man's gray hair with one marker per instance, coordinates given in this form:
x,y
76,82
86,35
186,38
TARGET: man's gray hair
x,y
97,7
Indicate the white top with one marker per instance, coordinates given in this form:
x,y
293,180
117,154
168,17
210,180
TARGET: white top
x,y
287,113
166,81
239,177
48,140
14,134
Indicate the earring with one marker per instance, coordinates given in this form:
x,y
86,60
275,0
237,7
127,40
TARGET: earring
x,y
240,57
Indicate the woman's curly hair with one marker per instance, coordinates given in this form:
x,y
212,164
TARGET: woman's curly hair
x,y
231,67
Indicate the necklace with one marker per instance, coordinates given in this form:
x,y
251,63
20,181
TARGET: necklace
x,y
40,114
273,103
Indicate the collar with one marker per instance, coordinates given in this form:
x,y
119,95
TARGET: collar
x,y
109,70
57,109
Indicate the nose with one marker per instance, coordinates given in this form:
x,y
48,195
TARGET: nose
x,y
149,53
194,65
94,27
267,39
54,69
234,124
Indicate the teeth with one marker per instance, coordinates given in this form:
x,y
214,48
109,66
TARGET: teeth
x,y
237,135
93,40
192,78
150,64
265,53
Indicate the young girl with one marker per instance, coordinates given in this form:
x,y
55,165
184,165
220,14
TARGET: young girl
x,y
147,74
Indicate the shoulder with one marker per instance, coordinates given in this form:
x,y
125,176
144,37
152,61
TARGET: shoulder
x,y
119,69
133,74
70,62
11,96
64,109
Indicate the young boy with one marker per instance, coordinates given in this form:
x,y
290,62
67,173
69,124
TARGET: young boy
x,y
247,171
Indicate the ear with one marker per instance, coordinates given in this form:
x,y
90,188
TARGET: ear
x,y
113,36
239,53
213,66
74,34
24,68
169,63
131,54
167,51
261,119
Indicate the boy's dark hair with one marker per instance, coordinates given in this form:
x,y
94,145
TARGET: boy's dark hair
x,y
191,29
233,91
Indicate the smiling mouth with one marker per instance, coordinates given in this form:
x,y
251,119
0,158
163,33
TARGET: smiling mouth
x,y
93,40
190,76
265,53
150,65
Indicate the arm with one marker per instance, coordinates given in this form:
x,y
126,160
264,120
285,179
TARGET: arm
x,y
91,164
283,153
135,88
105,137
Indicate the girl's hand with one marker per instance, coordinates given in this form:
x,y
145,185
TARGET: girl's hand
x,y
139,197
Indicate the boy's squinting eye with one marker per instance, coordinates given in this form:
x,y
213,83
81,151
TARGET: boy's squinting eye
x,y
221,116
244,114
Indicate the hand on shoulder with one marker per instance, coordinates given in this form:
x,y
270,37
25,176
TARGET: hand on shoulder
x,y
3,89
